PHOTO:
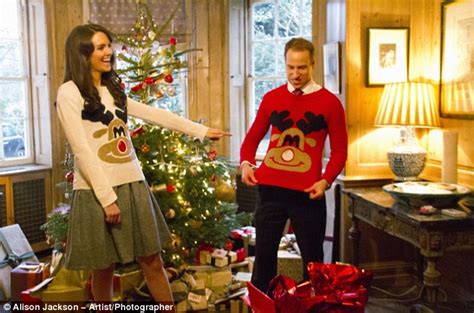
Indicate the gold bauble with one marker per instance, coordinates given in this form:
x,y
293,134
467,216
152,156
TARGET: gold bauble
x,y
195,224
225,191
170,214
145,148
175,241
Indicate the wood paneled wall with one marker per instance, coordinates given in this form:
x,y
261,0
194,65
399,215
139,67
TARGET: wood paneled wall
x,y
209,70
367,144
62,17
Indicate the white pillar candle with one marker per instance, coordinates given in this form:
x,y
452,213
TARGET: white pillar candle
x,y
449,163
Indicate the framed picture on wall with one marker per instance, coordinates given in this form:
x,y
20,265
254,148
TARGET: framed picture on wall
x,y
387,57
331,67
457,59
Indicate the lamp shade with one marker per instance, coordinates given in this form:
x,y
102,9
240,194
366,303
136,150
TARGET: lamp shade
x,y
408,104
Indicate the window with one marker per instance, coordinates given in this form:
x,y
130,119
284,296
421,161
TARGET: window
x,y
14,82
173,96
24,103
271,24
258,31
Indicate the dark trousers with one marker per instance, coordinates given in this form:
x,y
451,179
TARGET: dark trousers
x,y
308,218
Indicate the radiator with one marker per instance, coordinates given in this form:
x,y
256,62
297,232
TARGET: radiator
x,y
25,199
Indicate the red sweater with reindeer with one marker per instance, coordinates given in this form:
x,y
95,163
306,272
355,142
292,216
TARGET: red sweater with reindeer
x,y
299,127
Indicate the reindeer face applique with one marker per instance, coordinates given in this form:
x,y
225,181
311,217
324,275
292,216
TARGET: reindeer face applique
x,y
289,153
118,148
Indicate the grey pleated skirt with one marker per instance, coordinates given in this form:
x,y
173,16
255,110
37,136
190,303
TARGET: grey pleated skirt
x,y
94,244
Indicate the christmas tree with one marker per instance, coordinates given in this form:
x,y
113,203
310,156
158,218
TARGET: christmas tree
x,y
57,220
193,185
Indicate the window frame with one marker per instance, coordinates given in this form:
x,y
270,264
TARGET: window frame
x,y
26,78
249,77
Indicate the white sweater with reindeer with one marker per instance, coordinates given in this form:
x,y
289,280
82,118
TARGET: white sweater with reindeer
x,y
103,152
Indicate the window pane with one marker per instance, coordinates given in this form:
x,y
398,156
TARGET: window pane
x,y
263,146
260,88
13,100
13,118
9,23
280,68
263,59
289,18
263,20
14,139
11,60
279,82
174,100
306,18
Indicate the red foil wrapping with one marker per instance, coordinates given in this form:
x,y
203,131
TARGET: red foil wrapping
x,y
333,288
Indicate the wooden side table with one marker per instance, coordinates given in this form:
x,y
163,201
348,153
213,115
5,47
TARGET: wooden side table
x,y
433,235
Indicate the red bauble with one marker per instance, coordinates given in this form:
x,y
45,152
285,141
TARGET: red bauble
x,y
137,87
149,80
212,154
122,85
173,41
229,245
70,177
169,78
235,234
137,132
170,188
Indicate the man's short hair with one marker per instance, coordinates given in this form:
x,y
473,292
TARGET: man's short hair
x,y
300,44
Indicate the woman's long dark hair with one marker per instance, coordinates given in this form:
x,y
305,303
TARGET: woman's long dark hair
x,y
78,51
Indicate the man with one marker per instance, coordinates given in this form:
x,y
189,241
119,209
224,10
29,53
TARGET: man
x,y
290,180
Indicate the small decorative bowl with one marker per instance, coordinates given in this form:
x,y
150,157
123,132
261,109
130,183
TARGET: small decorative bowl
x,y
417,194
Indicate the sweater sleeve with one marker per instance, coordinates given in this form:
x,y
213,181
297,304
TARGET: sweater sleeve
x,y
69,105
166,119
255,134
337,132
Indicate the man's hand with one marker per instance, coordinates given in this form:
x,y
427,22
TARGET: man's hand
x,y
316,191
216,134
112,213
248,176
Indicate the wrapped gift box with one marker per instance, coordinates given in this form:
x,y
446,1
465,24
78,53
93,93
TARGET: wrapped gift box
x,y
14,249
125,282
213,278
25,276
67,285
179,289
196,299
221,258
238,306
290,264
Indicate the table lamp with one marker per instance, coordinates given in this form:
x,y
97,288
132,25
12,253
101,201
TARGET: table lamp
x,y
407,105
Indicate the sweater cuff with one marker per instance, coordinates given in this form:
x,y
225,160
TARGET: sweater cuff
x,y
247,162
107,199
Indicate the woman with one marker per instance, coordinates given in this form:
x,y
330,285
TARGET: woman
x,y
114,218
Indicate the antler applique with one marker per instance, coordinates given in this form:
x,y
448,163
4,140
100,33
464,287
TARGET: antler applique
x,y
314,123
277,119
